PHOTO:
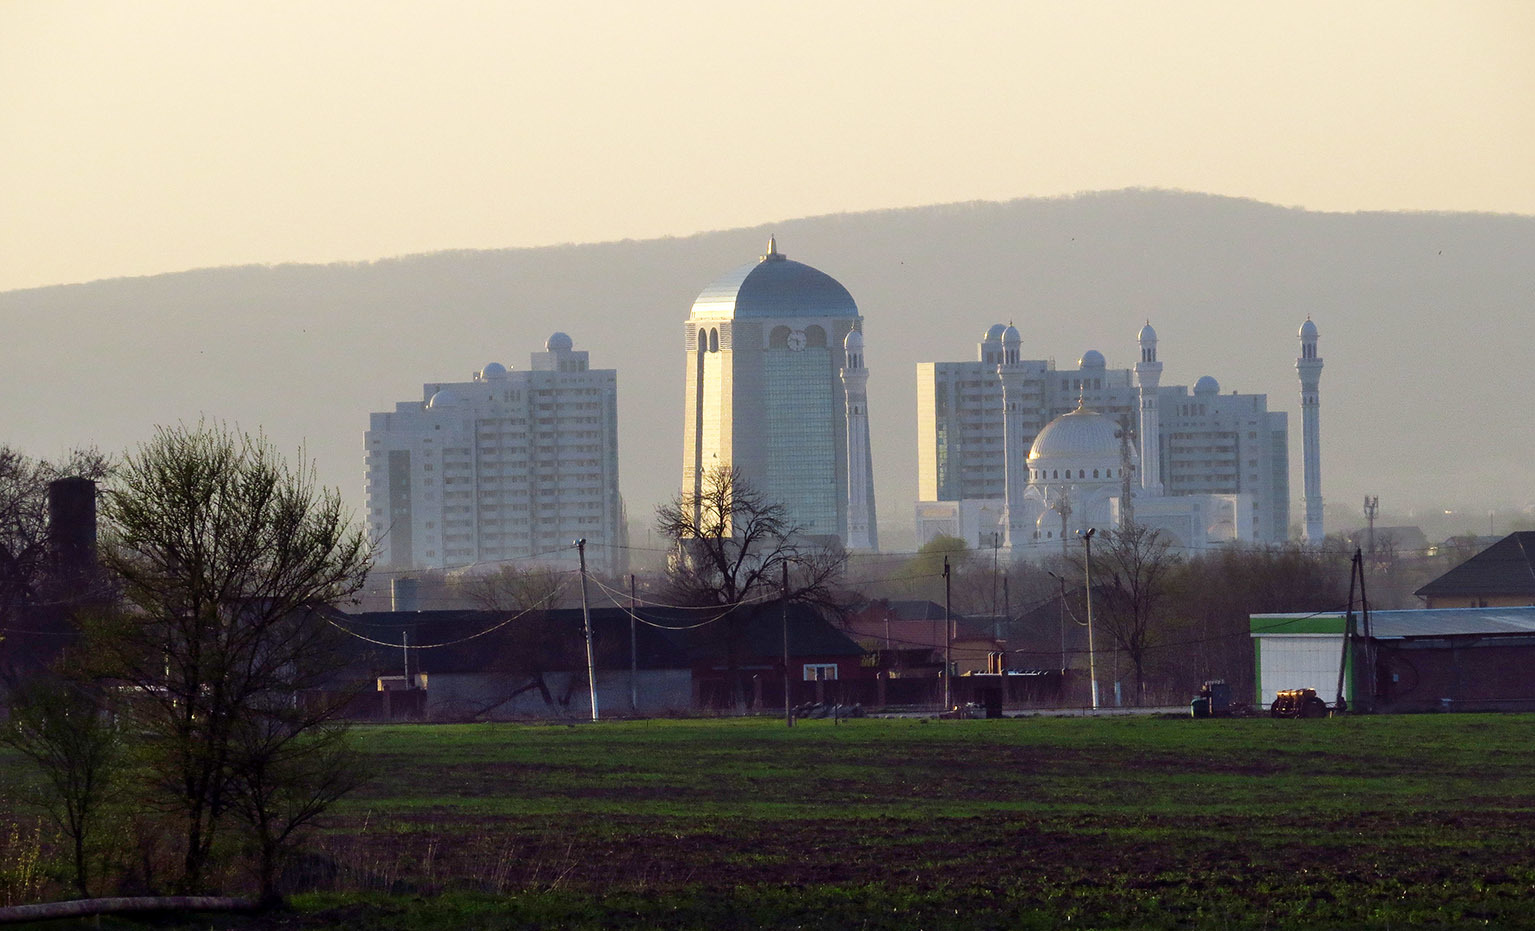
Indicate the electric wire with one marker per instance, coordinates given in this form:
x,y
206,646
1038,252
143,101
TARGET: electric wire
x,y
448,643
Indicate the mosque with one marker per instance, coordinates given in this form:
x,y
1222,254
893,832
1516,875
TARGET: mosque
x,y
776,386
1004,461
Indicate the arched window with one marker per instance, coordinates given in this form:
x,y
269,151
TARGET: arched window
x,y
815,337
703,341
779,338
714,340
1095,473
1055,473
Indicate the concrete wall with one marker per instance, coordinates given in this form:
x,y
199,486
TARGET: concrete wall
x,y
458,697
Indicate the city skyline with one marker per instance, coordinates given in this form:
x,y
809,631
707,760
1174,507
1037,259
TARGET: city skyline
x,y
300,352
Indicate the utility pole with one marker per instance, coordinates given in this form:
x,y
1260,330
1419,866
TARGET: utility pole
x,y
586,620
996,541
634,660
1092,658
948,641
788,714
1063,619
1007,610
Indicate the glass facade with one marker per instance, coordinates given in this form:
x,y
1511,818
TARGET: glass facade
x,y
801,413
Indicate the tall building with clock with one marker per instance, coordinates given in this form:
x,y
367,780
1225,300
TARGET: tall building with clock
x,y
776,387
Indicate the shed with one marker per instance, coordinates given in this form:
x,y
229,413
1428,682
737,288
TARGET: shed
x,y
1427,659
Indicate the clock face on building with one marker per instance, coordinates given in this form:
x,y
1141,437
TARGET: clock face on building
x,y
797,340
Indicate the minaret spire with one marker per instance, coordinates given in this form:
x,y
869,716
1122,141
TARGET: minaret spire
x,y
1309,367
861,534
1148,377
1015,451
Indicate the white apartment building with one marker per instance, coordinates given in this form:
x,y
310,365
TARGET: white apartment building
x,y
508,468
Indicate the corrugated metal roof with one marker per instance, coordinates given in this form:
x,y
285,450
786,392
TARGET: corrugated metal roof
x,y
1440,622
1424,622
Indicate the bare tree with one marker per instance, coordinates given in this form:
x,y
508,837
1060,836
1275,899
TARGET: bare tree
x,y
291,765
1132,571
1217,591
511,588
225,555
62,725
733,548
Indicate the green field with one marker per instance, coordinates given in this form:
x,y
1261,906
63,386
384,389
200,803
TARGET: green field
x,y
1423,821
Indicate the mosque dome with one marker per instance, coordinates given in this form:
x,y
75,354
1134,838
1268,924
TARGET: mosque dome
x,y
1148,335
1082,439
1207,385
1091,359
558,342
774,286
1010,336
493,370
994,333
1308,329
853,342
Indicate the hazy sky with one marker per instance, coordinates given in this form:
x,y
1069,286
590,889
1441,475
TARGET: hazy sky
x,y
143,137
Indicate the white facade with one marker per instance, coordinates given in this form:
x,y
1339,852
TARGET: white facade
x,y
510,467
776,386
1163,446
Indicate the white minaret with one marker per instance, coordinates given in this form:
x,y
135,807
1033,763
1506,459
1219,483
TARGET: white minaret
x,y
1148,376
861,534
1014,451
1309,366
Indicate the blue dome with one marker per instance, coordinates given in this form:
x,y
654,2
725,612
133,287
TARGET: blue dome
x,y
775,287
1207,385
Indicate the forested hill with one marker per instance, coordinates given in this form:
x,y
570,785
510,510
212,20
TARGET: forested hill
x,y
1423,319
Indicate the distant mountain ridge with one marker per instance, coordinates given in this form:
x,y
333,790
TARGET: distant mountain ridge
x,y
1423,319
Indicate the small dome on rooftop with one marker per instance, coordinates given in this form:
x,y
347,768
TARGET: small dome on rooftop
x,y
558,342
1207,385
444,397
1091,359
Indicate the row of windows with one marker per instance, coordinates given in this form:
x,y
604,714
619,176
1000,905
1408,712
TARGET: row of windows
x,y
1039,474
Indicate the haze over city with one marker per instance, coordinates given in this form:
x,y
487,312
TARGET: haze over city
x,y
145,140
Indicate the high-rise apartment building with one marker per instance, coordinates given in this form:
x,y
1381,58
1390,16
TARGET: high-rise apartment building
x,y
508,468
776,388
